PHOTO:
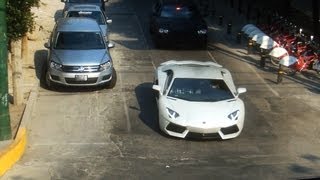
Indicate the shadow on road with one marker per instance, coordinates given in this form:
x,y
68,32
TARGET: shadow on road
x,y
39,59
148,107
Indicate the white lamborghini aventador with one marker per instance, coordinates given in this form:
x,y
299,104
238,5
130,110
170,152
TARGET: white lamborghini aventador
x,y
198,100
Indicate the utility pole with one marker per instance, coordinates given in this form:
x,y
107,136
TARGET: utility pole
x,y
5,128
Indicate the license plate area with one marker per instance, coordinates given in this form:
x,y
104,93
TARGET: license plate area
x,y
81,77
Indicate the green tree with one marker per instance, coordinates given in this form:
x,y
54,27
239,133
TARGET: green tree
x,y
20,21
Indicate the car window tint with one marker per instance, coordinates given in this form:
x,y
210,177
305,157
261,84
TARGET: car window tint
x,y
209,90
79,40
168,81
98,16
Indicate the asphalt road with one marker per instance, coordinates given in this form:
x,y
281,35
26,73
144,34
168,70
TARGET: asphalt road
x,y
82,133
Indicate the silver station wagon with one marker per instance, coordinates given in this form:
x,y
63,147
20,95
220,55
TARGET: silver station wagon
x,y
90,11
78,55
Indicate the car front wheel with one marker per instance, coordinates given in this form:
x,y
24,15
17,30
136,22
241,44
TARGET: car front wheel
x,y
112,83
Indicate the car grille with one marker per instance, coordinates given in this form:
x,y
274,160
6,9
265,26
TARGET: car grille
x,y
73,81
80,69
175,128
193,135
230,129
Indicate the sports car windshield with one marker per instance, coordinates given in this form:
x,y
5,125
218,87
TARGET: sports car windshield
x,y
96,15
172,11
79,40
85,1
208,90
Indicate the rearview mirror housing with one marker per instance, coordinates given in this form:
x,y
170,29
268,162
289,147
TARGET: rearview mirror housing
x,y
47,45
156,88
241,90
109,21
110,45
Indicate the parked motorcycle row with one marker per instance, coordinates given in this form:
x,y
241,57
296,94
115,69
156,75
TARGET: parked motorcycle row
x,y
284,46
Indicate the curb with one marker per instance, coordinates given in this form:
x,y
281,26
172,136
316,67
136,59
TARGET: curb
x,y
10,155
14,152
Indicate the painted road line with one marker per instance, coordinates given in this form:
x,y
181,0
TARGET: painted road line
x,y
125,107
145,40
211,56
141,30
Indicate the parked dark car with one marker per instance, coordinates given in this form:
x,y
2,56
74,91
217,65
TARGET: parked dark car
x,y
176,22
69,3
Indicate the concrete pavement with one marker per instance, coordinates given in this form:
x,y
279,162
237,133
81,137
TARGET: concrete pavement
x,y
111,134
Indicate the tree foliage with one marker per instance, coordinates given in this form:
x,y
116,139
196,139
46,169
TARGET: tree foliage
x,y
20,19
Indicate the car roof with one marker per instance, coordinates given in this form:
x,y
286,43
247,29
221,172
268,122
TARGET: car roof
x,y
84,7
180,2
75,24
81,1
195,69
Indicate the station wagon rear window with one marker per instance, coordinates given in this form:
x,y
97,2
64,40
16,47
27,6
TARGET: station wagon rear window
x,y
89,14
173,11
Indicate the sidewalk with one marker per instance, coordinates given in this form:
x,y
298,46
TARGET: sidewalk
x,y
12,150
218,35
227,42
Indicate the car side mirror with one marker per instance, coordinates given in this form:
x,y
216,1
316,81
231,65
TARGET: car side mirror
x,y
241,90
156,87
47,45
109,21
110,45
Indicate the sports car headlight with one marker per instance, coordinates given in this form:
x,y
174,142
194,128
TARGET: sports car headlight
x,y
234,115
202,31
105,66
172,114
163,31
54,65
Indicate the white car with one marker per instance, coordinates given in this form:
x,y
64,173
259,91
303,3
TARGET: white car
x,y
198,100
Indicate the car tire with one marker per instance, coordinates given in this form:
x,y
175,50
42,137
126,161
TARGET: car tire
x,y
49,85
43,75
45,82
112,83
158,44
204,46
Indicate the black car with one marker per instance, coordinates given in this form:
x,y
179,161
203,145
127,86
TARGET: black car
x,y
68,3
177,22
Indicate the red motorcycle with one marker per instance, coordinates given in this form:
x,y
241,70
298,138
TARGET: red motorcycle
x,y
307,61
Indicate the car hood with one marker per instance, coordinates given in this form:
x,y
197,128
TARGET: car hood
x,y
80,57
182,24
198,113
